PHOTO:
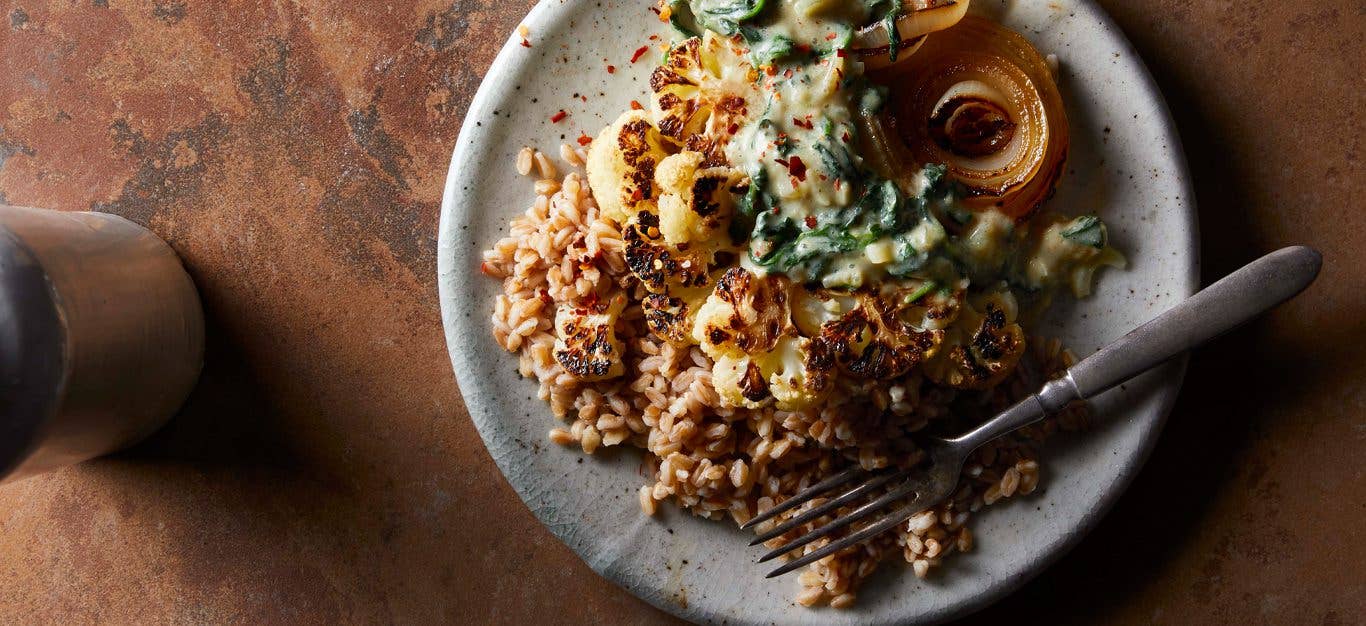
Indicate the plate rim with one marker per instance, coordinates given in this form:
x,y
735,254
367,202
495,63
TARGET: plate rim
x,y
1167,389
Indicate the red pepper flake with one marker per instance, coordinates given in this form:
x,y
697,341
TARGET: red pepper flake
x,y
640,52
845,136
654,10
794,166
611,69
830,36
802,123
733,128
584,139
559,115
841,53
810,221
526,44
637,194
787,73
584,98
654,37
636,106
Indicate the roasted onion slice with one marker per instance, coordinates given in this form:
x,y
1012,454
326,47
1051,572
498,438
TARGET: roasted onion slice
x,y
980,99
918,19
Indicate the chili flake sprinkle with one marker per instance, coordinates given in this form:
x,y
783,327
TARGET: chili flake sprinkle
x,y
636,106
584,139
794,166
611,69
640,52
559,115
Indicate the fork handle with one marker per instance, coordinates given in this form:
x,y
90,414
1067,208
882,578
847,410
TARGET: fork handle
x,y
1232,301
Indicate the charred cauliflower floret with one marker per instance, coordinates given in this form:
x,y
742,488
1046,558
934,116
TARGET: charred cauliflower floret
x,y
670,316
874,340
799,373
745,313
930,306
658,265
739,381
695,203
672,244
700,94
586,342
621,165
746,327
793,376
985,348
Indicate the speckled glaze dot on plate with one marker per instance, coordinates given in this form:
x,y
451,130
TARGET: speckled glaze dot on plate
x,y
1126,164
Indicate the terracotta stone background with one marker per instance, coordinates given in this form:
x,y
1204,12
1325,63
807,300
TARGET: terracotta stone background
x,y
293,154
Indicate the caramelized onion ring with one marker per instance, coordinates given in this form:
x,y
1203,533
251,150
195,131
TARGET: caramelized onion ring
x,y
918,19
980,99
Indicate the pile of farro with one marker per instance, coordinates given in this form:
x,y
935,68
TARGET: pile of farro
x,y
729,463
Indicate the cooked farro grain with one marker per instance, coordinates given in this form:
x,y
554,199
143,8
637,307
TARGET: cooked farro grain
x,y
524,161
547,186
561,436
544,166
571,155
647,500
723,462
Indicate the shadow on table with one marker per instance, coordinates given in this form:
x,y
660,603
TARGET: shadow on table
x,y
225,420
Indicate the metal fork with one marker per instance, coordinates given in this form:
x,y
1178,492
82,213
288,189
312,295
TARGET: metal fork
x,y
1228,303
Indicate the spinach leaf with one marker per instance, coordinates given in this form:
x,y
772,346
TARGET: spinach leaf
x,y
724,16
893,35
837,161
908,259
959,214
756,200
813,250
1086,230
938,179
764,49
827,127
883,200
773,236
923,290
682,19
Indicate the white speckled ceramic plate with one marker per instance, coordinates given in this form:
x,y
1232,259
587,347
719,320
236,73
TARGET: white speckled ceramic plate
x,y
1126,163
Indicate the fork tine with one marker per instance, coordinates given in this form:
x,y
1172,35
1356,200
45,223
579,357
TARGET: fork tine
x,y
849,496
901,515
911,484
810,492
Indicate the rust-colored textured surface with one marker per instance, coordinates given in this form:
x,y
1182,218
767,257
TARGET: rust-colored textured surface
x,y
325,470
